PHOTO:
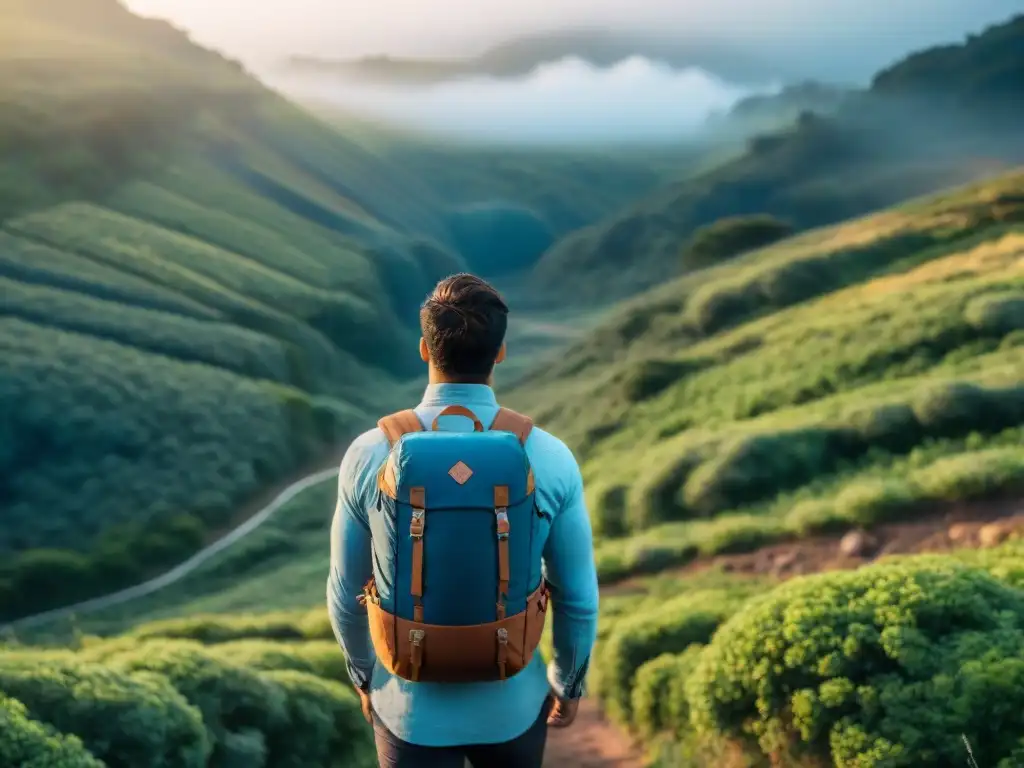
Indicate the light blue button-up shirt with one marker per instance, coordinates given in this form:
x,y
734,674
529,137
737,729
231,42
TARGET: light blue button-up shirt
x,y
445,714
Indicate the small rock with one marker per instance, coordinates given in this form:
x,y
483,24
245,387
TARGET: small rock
x,y
857,544
783,560
959,532
993,534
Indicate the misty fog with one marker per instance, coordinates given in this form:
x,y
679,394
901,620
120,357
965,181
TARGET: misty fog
x,y
567,101
828,39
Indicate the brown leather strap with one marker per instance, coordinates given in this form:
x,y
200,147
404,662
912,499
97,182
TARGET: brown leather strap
x,y
516,423
458,410
502,529
417,498
398,424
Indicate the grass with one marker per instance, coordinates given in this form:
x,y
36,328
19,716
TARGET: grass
x,y
704,411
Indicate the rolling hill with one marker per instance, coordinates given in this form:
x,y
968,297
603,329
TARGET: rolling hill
x,y
206,289
853,376
831,379
917,129
521,55
194,304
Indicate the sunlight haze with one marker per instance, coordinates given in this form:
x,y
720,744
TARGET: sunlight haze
x,y
845,39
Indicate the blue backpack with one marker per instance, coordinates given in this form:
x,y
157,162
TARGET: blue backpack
x,y
464,600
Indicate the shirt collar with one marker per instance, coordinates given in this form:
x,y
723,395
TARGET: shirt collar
x,y
459,394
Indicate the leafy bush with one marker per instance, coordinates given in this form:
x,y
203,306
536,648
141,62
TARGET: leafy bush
x,y
648,378
998,313
26,743
324,726
887,665
871,501
223,628
125,720
732,236
754,467
974,475
960,408
668,628
659,692
321,658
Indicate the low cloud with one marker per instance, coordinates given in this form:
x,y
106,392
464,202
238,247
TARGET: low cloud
x,y
563,102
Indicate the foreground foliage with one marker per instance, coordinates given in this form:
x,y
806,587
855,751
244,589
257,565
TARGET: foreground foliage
x,y
162,702
890,665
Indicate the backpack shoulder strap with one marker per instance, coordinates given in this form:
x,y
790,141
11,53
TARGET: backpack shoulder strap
x,y
398,424
516,423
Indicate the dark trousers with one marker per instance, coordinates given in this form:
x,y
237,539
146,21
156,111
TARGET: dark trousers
x,y
526,751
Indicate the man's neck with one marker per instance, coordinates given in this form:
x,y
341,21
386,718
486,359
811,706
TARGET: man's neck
x,y
435,378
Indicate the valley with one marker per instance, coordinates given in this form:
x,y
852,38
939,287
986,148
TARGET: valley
x,y
756,348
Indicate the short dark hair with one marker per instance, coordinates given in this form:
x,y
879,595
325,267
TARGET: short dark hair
x,y
464,322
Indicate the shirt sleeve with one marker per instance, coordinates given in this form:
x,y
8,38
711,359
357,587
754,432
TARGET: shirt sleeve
x,y
351,567
572,577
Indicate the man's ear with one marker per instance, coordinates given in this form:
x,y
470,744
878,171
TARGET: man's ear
x,y
501,354
424,352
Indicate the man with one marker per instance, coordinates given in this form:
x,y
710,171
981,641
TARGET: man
x,y
491,723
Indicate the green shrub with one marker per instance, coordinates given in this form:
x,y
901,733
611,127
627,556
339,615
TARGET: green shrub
x,y
324,725
668,628
892,427
872,501
732,236
973,475
649,378
884,666
231,698
322,658
213,628
25,743
959,408
997,313
659,700
125,720
754,467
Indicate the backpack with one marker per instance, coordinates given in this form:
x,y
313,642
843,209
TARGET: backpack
x,y
466,600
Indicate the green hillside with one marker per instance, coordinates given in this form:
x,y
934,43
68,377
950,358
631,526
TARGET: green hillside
x,y
207,290
193,309
915,131
844,377
829,380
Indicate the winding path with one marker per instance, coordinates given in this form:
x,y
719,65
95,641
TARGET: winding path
x,y
180,571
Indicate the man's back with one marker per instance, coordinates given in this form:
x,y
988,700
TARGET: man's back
x,y
446,714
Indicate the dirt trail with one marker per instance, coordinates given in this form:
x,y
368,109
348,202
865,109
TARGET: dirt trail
x,y
957,526
591,742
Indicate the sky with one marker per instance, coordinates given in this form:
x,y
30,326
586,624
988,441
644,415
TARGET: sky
x,y
851,37
568,101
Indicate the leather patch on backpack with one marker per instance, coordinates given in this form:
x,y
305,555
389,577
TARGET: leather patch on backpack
x,y
460,473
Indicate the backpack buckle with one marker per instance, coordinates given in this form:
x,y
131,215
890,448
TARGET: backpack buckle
x,y
416,525
501,515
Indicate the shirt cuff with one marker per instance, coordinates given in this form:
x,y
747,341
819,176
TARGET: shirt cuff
x,y
561,689
360,677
